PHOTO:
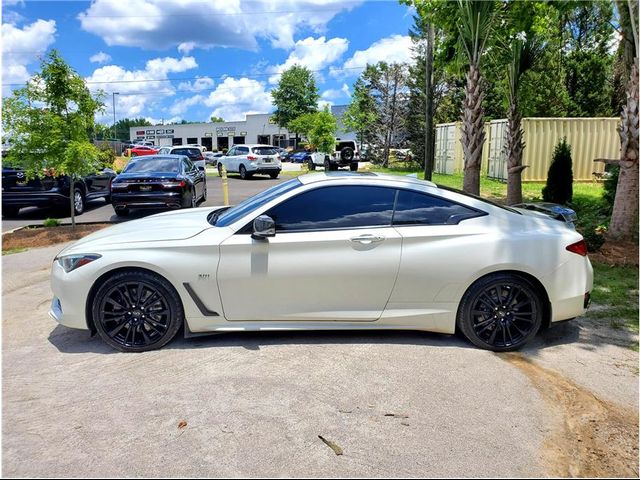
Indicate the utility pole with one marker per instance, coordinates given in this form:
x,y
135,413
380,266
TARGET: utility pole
x,y
428,125
113,96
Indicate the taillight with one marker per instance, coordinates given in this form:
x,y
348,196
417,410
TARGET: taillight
x,y
252,158
175,184
579,247
200,157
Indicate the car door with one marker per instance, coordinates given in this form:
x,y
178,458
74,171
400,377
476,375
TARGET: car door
x,y
334,258
227,160
436,234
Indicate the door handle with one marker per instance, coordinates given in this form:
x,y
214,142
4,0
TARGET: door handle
x,y
367,239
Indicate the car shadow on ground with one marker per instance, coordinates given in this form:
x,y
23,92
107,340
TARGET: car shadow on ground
x,y
68,340
35,213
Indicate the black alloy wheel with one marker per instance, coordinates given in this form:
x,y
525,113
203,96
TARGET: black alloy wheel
x,y
500,312
137,311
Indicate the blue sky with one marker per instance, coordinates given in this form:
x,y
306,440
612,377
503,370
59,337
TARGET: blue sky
x,y
190,59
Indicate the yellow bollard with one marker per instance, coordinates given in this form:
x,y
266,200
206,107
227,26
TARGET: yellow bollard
x,y
225,186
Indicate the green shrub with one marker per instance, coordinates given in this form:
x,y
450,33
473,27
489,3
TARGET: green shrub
x,y
559,188
106,156
51,222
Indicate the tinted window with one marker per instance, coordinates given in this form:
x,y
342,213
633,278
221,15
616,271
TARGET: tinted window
x,y
414,208
335,207
153,165
251,203
189,152
264,150
242,150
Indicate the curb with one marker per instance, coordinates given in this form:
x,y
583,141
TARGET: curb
x,y
61,225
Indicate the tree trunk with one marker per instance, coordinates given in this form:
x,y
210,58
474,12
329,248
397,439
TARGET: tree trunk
x,y
72,194
624,218
513,148
472,131
428,125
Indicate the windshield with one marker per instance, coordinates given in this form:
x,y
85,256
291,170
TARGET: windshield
x,y
231,215
153,165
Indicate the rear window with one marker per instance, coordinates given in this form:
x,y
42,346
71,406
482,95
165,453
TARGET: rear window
x,y
153,165
264,150
189,152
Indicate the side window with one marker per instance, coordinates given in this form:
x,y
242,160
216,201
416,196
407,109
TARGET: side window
x,y
232,151
242,151
335,207
413,208
185,165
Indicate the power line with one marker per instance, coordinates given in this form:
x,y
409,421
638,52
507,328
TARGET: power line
x,y
218,77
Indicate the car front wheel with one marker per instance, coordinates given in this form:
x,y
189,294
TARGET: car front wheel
x,y
137,311
500,312
78,202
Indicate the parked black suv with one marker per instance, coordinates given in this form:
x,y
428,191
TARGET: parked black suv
x,y
49,191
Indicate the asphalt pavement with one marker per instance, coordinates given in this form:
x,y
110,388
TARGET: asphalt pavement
x,y
100,211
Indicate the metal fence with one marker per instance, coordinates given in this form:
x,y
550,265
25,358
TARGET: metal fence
x,y
590,138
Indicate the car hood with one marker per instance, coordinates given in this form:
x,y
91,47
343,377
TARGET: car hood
x,y
167,226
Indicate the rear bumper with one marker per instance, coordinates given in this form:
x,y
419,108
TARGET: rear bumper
x,y
264,169
35,199
147,200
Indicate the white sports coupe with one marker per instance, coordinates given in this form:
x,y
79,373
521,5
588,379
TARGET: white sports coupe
x,y
347,251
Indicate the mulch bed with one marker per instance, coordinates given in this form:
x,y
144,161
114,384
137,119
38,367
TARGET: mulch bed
x,y
617,253
45,236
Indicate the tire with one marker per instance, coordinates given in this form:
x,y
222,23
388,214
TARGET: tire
x,y
487,313
274,175
244,175
78,201
353,166
219,169
346,154
327,165
194,199
122,211
151,315
310,164
134,154
10,212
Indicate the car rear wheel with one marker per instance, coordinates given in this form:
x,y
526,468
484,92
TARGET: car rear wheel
x,y
122,211
244,175
136,311
274,175
78,201
134,154
204,192
327,165
500,312
353,167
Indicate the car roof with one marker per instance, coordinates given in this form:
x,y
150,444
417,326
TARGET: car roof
x,y
251,145
366,177
166,156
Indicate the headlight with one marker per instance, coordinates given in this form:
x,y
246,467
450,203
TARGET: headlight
x,y
71,262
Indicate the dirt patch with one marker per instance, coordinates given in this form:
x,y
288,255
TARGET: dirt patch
x,y
617,253
596,438
45,236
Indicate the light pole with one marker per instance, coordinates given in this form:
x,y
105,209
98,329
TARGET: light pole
x,y
114,116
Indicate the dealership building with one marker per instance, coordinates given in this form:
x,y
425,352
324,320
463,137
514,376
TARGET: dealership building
x,y
256,128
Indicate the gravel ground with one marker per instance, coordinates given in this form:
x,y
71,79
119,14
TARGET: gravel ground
x,y
396,404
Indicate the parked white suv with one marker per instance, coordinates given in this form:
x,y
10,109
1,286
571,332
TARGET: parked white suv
x,y
248,160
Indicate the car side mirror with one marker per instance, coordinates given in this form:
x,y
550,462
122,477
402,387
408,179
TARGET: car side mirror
x,y
108,170
263,227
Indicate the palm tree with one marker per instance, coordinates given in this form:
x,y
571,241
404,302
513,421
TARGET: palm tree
x,y
475,23
523,55
624,218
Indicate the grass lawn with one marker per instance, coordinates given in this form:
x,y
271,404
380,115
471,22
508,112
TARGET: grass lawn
x,y
616,289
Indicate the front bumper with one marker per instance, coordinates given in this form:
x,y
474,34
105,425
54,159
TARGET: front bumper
x,y
70,291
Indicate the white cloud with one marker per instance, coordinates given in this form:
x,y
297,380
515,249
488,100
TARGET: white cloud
x,y
313,53
334,94
182,105
187,24
393,49
235,98
100,57
18,45
162,121
136,93
201,83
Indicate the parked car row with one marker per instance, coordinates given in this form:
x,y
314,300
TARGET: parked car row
x,y
158,181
